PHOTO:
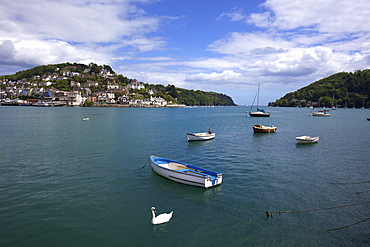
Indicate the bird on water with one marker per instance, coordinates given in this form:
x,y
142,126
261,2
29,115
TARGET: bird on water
x,y
162,218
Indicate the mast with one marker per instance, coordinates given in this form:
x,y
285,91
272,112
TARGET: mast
x,y
258,95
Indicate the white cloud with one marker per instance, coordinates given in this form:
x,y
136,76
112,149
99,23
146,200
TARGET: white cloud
x,y
332,16
234,15
241,44
224,76
7,51
43,31
260,19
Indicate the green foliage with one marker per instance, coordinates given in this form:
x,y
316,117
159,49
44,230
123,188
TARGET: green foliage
x,y
169,93
347,88
64,85
190,97
88,103
122,80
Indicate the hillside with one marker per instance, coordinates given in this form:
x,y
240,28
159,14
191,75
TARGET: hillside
x,y
346,88
79,77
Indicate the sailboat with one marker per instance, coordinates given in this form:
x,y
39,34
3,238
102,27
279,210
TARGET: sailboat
x,y
259,112
319,113
333,105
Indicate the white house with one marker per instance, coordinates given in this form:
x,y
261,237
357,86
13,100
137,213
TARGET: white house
x,y
74,98
134,84
158,101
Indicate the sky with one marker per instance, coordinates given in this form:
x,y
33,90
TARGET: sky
x,y
223,46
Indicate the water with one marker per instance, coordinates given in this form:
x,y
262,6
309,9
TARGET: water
x,y
68,182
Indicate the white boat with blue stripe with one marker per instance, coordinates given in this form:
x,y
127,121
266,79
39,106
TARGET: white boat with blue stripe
x,y
185,173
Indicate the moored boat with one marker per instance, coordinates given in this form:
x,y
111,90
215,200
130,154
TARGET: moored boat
x,y
306,139
321,113
200,136
185,173
259,112
259,128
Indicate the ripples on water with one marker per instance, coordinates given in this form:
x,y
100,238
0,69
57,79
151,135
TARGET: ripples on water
x,y
67,182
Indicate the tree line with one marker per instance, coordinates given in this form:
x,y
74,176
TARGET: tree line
x,y
344,89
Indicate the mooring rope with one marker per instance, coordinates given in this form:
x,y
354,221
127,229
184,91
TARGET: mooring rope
x,y
145,163
307,210
354,183
338,228
270,213
362,191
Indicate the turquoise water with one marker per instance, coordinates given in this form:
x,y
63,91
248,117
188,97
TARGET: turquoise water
x,y
68,182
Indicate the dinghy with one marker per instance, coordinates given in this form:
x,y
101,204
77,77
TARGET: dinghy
x,y
200,136
185,173
306,139
259,128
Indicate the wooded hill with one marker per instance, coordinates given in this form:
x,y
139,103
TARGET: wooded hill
x,y
93,72
345,89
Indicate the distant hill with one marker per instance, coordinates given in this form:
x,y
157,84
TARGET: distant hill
x,y
100,73
348,90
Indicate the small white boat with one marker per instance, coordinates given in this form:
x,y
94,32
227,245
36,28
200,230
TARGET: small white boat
x,y
185,173
200,136
86,119
306,139
321,113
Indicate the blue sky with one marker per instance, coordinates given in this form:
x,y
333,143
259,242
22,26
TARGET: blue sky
x,y
225,46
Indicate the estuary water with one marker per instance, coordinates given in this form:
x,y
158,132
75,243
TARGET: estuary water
x,y
69,182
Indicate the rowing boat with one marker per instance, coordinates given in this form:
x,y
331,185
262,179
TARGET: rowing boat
x,y
185,173
200,136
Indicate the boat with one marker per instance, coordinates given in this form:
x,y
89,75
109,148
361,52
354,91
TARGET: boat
x,y
321,113
203,136
306,139
333,105
368,118
259,112
86,119
258,128
185,173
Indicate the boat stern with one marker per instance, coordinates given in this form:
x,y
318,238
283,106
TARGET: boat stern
x,y
213,181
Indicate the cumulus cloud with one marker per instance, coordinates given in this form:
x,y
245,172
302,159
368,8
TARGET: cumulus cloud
x,y
243,43
260,19
224,76
307,39
41,32
7,51
334,16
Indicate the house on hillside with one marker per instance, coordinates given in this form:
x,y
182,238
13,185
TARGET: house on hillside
x,y
124,99
158,101
74,98
135,85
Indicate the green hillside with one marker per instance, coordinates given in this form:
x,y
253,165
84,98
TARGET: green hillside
x,y
92,72
348,90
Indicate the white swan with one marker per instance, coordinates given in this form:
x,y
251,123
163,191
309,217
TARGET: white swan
x,y
162,218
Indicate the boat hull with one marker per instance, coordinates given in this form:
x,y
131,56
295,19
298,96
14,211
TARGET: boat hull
x,y
306,139
185,173
259,114
320,114
263,129
200,136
